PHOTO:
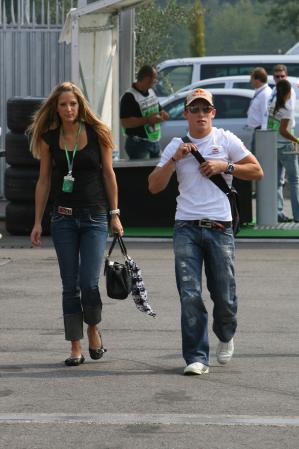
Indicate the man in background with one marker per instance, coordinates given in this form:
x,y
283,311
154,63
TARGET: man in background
x,y
258,108
141,115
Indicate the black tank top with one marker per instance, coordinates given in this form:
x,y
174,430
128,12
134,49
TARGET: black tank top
x,y
88,188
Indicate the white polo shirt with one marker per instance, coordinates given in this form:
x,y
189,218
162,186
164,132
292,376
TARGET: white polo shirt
x,y
258,107
198,196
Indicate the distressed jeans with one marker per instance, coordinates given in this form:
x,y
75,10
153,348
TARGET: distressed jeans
x,y
193,247
287,162
80,244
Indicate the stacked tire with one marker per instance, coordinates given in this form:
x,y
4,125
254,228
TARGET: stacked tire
x,y
22,174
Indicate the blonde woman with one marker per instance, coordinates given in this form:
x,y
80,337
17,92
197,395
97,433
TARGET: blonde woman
x,y
71,141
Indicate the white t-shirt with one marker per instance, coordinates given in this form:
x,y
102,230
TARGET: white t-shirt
x,y
290,103
283,113
258,107
198,196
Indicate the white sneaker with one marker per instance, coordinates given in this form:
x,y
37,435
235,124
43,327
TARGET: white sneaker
x,y
196,368
225,351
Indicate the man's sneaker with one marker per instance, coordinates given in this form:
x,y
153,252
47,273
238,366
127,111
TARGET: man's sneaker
x,y
196,368
225,351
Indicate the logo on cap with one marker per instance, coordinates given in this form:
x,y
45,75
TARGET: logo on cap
x,y
199,94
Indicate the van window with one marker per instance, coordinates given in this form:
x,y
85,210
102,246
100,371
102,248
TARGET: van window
x,y
231,106
216,70
175,109
227,106
213,85
242,85
172,79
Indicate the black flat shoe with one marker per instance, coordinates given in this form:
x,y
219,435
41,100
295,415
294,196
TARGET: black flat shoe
x,y
75,361
97,354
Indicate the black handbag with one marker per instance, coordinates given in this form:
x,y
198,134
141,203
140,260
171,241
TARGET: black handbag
x,y
230,192
118,275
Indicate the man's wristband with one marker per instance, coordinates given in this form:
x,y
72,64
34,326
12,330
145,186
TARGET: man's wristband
x,y
114,212
297,138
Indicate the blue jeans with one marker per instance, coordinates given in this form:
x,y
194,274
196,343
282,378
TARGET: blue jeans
x,y
194,246
288,162
138,148
80,244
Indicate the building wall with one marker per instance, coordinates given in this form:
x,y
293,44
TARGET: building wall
x,y
32,61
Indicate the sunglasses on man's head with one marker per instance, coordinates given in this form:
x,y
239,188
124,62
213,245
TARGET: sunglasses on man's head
x,y
196,108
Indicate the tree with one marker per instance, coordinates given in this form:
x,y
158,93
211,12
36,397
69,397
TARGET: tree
x,y
241,28
156,29
197,30
284,15
17,8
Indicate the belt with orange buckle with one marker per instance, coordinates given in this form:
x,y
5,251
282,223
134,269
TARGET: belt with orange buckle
x,y
64,210
78,211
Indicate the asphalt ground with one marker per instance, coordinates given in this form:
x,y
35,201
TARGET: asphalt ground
x,y
136,397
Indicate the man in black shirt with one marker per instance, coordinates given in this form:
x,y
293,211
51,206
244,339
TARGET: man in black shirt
x,y
141,115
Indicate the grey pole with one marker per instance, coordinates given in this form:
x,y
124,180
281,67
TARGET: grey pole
x,y
126,59
266,189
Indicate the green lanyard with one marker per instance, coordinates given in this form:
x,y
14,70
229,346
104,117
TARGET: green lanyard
x,y
69,163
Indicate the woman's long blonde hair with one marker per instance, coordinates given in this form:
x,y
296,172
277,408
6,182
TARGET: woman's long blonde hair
x,y
46,118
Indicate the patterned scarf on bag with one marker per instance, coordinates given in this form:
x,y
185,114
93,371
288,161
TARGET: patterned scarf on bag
x,y
138,291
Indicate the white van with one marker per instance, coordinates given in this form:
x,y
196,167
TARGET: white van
x,y
174,74
236,82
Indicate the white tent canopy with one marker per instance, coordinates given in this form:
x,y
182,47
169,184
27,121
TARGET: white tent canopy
x,y
93,32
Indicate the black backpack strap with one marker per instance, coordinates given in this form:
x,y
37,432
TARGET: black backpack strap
x,y
216,179
196,154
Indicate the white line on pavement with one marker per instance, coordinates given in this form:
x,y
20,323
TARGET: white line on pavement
x,y
150,419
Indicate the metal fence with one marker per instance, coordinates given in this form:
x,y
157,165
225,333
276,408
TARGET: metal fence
x,y
32,61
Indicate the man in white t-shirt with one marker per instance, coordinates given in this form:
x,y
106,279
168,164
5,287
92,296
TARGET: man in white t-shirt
x,y
203,227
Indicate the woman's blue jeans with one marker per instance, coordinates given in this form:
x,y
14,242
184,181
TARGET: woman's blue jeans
x,y
288,161
193,247
80,244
